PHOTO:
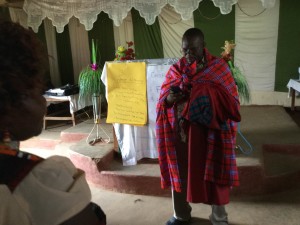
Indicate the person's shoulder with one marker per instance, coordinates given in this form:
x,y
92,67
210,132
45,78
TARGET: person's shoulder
x,y
218,62
55,180
56,166
178,65
56,173
217,59
59,160
10,207
213,59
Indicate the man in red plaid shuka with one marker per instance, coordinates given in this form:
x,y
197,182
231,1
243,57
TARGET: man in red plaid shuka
x,y
196,130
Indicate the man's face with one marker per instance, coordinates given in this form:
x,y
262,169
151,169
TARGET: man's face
x,y
25,120
192,49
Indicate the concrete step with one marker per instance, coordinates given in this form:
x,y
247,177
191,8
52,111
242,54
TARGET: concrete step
x,y
269,168
285,157
104,168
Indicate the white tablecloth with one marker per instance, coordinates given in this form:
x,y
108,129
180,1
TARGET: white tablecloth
x,y
295,84
75,105
137,142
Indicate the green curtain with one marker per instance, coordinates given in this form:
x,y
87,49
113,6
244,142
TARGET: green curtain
x,y
41,33
147,38
4,13
288,47
216,27
64,55
104,33
42,36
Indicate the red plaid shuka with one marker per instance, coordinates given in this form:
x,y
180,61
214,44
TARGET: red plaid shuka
x,y
221,131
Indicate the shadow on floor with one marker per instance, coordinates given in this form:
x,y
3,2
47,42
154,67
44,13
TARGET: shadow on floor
x,y
295,115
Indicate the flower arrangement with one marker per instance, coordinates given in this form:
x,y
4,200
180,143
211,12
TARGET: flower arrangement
x,y
90,85
123,53
240,79
89,78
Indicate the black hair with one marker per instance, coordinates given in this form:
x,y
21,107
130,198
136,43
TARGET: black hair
x,y
23,62
194,33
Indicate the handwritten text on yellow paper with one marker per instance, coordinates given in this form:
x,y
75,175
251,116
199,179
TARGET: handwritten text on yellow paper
x,y
127,100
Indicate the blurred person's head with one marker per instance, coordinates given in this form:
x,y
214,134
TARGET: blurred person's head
x,y
22,67
193,45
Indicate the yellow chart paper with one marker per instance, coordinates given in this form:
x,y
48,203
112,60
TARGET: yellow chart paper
x,y
126,90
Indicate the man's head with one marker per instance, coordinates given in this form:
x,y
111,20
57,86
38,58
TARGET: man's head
x,y
193,45
23,62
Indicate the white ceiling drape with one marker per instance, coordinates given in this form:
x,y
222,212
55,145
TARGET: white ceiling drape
x,y
60,11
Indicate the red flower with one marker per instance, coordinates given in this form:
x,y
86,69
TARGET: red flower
x,y
129,51
130,43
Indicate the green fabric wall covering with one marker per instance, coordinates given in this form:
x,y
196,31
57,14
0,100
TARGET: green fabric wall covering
x,y
42,36
288,47
64,55
216,27
41,33
147,38
4,13
104,33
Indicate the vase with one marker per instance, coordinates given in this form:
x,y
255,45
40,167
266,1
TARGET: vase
x,y
96,100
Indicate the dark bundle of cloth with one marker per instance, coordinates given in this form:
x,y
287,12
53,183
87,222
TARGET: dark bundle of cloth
x,y
66,90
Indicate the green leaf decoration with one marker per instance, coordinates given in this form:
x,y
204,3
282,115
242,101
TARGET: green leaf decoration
x,y
240,79
94,52
241,82
90,77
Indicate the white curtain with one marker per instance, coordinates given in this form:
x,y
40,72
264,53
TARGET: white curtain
x,y
256,43
79,46
172,28
18,16
124,32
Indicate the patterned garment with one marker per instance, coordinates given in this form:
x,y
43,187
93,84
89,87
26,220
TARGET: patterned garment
x,y
15,165
221,135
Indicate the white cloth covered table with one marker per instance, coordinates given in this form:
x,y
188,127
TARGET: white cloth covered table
x,y
293,86
75,105
137,142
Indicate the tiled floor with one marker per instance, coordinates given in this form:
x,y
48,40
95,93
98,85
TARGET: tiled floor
x,y
126,209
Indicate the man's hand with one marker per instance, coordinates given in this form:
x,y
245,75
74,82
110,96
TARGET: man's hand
x,y
175,95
